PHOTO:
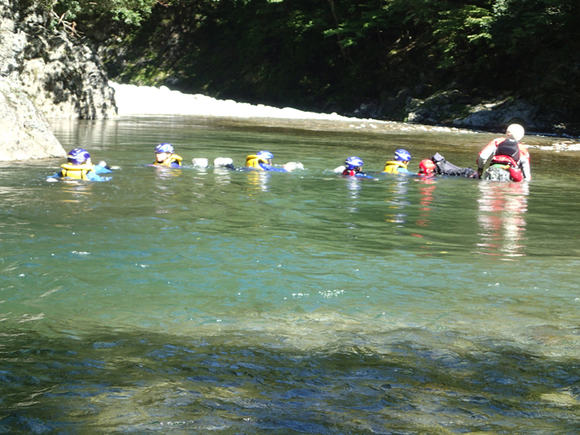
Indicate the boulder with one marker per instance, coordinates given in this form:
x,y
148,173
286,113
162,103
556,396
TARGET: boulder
x,y
44,73
24,131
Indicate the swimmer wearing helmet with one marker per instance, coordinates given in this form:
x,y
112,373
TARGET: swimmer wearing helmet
x,y
399,163
164,156
353,167
79,167
262,161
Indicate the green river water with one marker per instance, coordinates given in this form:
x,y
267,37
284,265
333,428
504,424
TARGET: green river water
x,y
215,301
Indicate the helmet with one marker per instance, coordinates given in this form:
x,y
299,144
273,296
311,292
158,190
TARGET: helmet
x,y
516,131
164,148
353,162
427,167
402,155
265,155
78,156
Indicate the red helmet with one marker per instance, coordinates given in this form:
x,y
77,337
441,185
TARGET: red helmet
x,y
427,167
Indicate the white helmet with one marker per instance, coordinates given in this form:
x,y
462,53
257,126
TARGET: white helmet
x,y
516,131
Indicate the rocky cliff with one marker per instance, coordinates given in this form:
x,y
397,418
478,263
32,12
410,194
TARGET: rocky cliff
x,y
44,74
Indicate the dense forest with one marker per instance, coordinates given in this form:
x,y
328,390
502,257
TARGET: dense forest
x,y
367,58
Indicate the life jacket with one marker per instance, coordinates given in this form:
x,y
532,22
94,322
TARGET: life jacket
x,y
353,173
503,159
253,161
508,164
76,171
173,158
392,166
508,147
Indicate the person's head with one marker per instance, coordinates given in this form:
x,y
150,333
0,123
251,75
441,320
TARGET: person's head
x,y
265,157
353,163
427,167
402,155
163,151
79,156
515,131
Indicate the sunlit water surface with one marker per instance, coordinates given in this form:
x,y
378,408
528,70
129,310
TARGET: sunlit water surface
x,y
216,301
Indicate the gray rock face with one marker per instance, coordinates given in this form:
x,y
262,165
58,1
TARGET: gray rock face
x,y
24,131
44,74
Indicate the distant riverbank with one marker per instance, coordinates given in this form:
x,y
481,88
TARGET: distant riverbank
x,y
144,100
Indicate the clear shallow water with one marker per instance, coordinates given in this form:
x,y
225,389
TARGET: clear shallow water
x,y
195,301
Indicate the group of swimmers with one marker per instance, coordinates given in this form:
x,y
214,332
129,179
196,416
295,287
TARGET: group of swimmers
x,y
509,159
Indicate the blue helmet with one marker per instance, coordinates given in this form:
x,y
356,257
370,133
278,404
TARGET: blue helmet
x,y
265,155
164,148
78,156
403,155
353,162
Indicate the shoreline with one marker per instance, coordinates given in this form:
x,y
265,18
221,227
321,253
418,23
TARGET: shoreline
x,y
132,100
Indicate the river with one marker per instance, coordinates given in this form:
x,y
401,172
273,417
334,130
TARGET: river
x,y
214,301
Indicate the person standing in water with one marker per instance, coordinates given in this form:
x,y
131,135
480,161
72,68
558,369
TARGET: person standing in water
x,y
507,152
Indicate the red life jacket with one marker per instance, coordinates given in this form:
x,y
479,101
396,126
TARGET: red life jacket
x,y
515,172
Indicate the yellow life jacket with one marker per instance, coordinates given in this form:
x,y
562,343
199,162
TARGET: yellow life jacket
x,y
253,161
76,171
392,166
172,158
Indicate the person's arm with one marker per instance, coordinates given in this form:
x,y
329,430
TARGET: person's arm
x,y
486,153
525,167
101,169
91,175
271,168
57,175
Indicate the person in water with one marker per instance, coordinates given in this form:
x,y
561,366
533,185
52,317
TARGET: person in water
x,y
399,163
507,155
353,167
79,166
427,168
262,161
164,156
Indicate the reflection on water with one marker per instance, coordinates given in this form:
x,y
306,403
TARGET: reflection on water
x,y
258,180
207,300
426,191
398,199
502,218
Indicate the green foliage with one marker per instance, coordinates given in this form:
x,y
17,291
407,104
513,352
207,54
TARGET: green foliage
x,y
459,30
130,12
336,55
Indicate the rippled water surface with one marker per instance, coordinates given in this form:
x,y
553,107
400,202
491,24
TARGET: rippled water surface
x,y
216,301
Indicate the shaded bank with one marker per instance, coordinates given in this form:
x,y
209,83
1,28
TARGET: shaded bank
x,y
479,65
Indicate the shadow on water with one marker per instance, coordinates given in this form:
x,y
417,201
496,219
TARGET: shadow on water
x,y
154,383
